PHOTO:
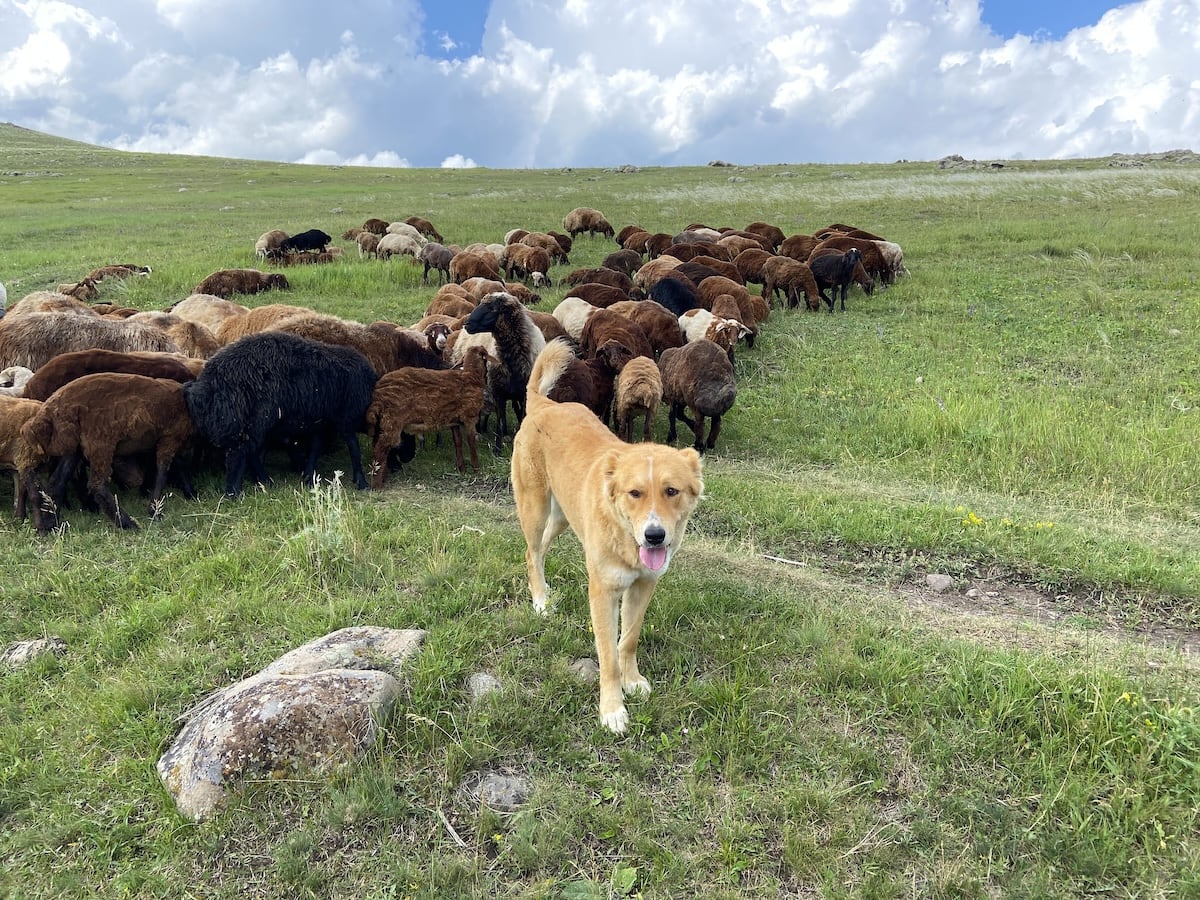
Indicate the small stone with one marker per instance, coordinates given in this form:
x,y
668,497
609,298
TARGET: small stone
x,y
22,653
973,593
586,670
939,582
481,684
502,793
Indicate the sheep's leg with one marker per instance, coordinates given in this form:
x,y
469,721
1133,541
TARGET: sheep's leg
x,y
18,496
98,488
698,432
356,469
470,436
713,431
647,424
310,463
235,469
34,495
456,435
61,477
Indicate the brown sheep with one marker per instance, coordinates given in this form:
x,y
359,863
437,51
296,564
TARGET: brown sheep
x,y
98,417
82,291
32,340
385,346
600,275
657,244
376,226
547,242
585,220
48,301
702,325
626,232
207,310
605,325
425,227
528,262
226,282
627,261
478,287
698,376
650,273
571,313
473,265
549,326
119,270
591,382
771,233
730,308
22,460
793,278
66,367
599,295
636,241
720,266
254,320
873,260
749,264
638,392
420,401
368,244
798,246
660,324
351,234
450,305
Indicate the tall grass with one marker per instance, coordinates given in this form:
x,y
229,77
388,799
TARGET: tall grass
x,y
1021,410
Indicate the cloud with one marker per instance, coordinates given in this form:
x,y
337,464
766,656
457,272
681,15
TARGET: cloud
x,y
585,83
458,161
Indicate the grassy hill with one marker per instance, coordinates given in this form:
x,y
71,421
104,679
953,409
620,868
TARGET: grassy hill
x,y
1020,412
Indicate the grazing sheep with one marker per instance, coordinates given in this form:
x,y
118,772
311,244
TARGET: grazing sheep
x,y
676,292
407,230
14,379
385,346
650,272
450,305
351,234
793,278
772,233
591,382
730,308
834,270
277,385
425,227
599,295
397,244
207,310
627,261
600,275
605,325
368,244
517,342
638,392
549,326
254,320
798,246
478,287
22,460
101,416
637,242
49,301
119,270
435,256
659,323
375,226
314,239
268,243
702,325
697,376
657,244
572,313
191,338
547,242
585,220
32,340
67,367
526,261
473,265
749,264
873,260
226,282
419,401
893,256
82,291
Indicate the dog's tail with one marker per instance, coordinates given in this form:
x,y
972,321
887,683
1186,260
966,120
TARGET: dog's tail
x,y
548,368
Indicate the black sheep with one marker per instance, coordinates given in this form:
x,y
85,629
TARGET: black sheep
x,y
313,239
676,294
277,386
834,270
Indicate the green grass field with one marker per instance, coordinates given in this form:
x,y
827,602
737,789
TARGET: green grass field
x,y
1022,412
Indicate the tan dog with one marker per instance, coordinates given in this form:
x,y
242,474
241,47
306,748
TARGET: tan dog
x,y
628,504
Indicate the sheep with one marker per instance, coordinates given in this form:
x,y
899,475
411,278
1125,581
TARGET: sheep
x,y
49,301
66,367
226,282
255,320
409,231
397,244
479,287
798,246
351,234
749,264
687,252
548,243
659,323
18,457
589,381
101,416
368,244
627,261
549,326
425,227
190,338
268,243
280,385
702,325
572,313
834,269
731,308
636,241
793,278
33,339
526,261
848,231
375,226
771,233
600,275
604,325
638,392
657,244
471,265
893,256
450,305
313,239
565,241
517,343
873,260
716,285
585,220
599,295
523,292
676,292
697,376
419,401
435,256
515,234
626,232
650,272
385,346
82,291
207,310
14,380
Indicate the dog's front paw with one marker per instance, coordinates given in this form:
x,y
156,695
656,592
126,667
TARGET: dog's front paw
x,y
639,687
542,605
616,721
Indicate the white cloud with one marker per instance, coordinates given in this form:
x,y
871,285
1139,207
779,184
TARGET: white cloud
x,y
592,83
458,161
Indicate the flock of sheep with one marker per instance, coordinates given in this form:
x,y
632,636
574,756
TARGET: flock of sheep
x,y
91,393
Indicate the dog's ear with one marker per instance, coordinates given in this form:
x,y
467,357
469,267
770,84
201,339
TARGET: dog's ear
x,y
608,465
693,459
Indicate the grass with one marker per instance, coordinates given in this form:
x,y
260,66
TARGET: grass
x,y
1020,410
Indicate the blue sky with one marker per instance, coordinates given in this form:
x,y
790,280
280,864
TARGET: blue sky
x,y
593,83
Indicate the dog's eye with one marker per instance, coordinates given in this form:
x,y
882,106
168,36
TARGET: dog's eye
x,y
635,494
671,492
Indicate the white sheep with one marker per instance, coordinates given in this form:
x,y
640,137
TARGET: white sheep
x,y
572,314
406,229
394,244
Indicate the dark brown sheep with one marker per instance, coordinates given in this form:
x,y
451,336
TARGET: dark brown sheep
x,y
599,295
375,226
426,228
627,261
528,262
29,495
659,323
798,246
99,417
600,275
749,264
626,232
771,233
227,282
473,265
385,346
67,367
793,278
698,376
605,325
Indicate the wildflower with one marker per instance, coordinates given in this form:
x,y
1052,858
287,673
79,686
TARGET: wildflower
x,y
971,520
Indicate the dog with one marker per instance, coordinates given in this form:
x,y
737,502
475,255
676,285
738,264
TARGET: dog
x,y
628,504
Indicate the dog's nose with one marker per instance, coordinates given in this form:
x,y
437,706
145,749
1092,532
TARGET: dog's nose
x,y
655,535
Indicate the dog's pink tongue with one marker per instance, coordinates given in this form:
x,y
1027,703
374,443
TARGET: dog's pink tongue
x,y
653,558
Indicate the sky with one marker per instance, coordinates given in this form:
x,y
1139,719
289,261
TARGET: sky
x,y
593,83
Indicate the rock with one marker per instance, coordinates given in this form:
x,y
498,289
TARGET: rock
x,y
501,793
481,684
22,653
586,670
939,583
309,711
